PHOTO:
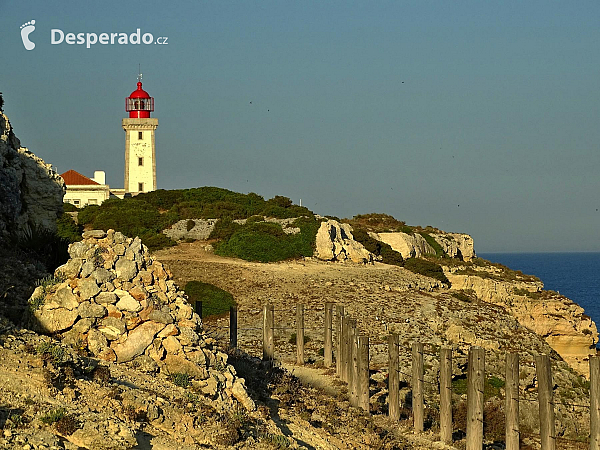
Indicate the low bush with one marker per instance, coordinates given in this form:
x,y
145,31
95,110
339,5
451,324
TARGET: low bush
x,y
48,247
224,229
68,207
215,301
146,215
132,218
267,242
67,229
427,268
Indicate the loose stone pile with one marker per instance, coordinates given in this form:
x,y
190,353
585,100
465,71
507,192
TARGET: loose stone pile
x,y
113,300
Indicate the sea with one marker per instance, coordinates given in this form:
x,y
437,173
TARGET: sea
x,y
574,275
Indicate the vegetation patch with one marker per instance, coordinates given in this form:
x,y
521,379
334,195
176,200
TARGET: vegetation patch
x,y
53,416
465,295
181,379
439,252
493,271
267,242
67,229
426,268
215,301
378,248
146,215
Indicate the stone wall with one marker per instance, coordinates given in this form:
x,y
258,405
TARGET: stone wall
x,y
31,193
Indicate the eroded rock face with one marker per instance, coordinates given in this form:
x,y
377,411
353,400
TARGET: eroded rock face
x,y
456,245
560,321
335,243
408,245
121,305
31,193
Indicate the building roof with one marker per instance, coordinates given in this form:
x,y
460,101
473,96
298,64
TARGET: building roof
x,y
73,178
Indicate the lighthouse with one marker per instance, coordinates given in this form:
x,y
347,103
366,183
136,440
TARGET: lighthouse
x,y
140,147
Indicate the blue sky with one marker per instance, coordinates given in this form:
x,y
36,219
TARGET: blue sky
x,y
475,117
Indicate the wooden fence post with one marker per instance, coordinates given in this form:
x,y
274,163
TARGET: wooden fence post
x,y
300,334
352,361
198,308
344,349
393,378
328,345
363,373
233,327
512,401
594,403
268,343
446,395
475,385
339,312
417,385
544,376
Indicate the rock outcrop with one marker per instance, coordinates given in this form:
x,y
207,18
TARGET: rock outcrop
x,y
456,245
31,193
408,245
335,243
113,300
560,321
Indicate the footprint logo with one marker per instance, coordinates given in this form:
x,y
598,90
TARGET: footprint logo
x,y
26,29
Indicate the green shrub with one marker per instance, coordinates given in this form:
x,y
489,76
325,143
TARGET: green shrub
x,y
49,248
52,351
181,379
439,252
53,416
267,242
256,245
68,207
224,229
427,268
190,224
214,300
132,218
67,228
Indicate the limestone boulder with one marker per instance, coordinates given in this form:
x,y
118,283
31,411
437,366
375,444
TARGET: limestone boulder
x,y
334,242
137,341
54,320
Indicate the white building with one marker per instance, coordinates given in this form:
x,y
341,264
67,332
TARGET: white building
x,y
83,191
140,157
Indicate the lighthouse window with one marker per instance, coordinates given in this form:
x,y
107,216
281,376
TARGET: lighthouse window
x,y
140,187
140,161
140,134
142,104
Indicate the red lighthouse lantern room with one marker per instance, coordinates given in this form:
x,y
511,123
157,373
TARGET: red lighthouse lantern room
x,y
139,104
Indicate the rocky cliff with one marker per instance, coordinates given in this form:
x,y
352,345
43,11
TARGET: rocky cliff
x,y
560,321
31,193
455,245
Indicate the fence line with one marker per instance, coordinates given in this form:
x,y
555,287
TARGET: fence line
x,y
351,352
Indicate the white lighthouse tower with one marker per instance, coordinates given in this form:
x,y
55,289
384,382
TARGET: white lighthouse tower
x,y
140,148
